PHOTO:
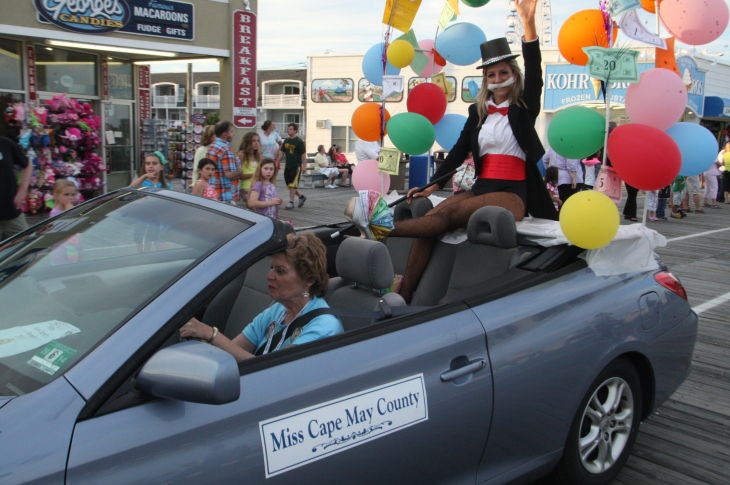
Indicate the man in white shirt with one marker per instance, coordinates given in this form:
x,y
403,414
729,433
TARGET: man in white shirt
x,y
366,150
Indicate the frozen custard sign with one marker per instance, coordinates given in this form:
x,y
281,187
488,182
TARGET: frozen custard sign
x,y
159,18
310,434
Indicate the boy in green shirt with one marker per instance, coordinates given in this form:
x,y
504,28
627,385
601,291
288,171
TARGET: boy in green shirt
x,y
295,161
678,191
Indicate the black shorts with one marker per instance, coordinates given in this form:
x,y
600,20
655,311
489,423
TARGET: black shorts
x,y
291,176
487,186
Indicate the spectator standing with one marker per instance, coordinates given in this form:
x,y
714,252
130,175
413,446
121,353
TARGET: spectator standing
x,y
227,165
206,139
679,190
724,158
630,205
270,140
250,155
694,193
590,167
295,161
152,172
12,195
711,176
663,197
262,197
206,169
570,173
366,150
551,181
64,196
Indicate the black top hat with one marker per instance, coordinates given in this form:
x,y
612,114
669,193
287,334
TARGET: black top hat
x,y
494,51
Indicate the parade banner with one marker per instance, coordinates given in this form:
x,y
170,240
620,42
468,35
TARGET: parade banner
x,y
243,67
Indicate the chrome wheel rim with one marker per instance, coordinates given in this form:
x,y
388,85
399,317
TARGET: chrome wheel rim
x,y
606,425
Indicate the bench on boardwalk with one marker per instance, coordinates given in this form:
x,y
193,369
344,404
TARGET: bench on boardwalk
x,y
311,179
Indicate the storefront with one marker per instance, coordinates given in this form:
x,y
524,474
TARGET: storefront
x,y
84,61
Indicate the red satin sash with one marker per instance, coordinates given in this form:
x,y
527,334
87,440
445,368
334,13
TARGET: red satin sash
x,y
503,167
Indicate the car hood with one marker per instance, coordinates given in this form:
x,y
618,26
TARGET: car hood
x,y
5,399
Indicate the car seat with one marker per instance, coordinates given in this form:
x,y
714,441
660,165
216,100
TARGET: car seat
x,y
365,270
399,247
454,268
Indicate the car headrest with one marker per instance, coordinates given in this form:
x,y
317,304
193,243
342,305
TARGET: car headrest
x,y
494,226
417,208
365,262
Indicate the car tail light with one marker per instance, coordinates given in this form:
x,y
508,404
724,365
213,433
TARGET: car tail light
x,y
670,282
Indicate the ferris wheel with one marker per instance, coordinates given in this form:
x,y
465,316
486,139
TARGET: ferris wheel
x,y
543,21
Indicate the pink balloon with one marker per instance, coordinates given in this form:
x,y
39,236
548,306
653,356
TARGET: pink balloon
x,y
694,22
657,100
431,68
366,176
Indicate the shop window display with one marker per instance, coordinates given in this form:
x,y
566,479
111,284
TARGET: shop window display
x,y
60,138
62,71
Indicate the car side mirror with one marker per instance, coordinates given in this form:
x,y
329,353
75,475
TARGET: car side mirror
x,y
191,371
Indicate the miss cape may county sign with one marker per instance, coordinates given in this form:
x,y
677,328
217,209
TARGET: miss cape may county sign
x,y
568,84
310,434
158,18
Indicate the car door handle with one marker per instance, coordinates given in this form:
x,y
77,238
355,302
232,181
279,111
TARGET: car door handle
x,y
469,368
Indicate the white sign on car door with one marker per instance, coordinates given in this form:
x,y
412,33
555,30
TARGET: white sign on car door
x,y
307,435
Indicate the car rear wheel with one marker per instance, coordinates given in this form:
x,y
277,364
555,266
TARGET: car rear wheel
x,y
604,428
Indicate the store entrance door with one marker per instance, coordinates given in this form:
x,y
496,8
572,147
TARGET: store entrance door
x,y
120,152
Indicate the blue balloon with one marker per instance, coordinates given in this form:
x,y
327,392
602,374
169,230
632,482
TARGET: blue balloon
x,y
697,145
448,130
372,65
459,43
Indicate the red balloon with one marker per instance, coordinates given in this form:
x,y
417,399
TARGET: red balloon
x,y
643,156
429,100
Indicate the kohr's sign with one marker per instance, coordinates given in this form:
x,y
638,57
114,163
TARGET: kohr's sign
x,y
158,18
568,84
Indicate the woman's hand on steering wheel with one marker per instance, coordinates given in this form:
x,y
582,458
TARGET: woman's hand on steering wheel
x,y
194,328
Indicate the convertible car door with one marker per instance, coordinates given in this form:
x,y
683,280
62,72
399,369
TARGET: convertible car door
x,y
408,401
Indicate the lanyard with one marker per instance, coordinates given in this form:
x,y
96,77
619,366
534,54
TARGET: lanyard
x,y
283,337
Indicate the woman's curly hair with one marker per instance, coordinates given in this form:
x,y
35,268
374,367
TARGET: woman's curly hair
x,y
309,258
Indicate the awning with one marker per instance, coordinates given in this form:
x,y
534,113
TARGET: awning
x,y
716,107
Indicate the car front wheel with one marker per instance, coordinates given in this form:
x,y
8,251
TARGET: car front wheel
x,y
604,428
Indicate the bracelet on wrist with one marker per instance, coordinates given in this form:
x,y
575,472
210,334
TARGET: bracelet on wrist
x,y
214,334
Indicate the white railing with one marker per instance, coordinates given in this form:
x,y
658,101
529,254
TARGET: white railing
x,y
286,100
167,101
209,101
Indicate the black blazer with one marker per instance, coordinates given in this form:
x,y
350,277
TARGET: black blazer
x,y
522,121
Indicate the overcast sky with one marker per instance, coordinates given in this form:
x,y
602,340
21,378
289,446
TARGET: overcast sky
x,y
290,31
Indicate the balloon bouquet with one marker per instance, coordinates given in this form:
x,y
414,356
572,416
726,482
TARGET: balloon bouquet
x,y
651,150
412,132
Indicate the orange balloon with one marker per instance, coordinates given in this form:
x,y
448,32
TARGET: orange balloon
x,y
648,5
582,29
367,121
664,58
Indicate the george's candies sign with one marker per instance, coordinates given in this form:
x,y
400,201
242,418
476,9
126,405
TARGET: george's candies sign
x,y
158,18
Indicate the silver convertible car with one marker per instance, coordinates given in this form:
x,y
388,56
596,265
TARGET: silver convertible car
x,y
512,362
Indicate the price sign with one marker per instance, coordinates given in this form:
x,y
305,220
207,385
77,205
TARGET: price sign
x,y
388,160
617,7
609,183
612,64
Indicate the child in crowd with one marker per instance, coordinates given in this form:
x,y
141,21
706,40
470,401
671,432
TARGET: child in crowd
x,y
679,190
590,168
64,196
551,181
262,196
652,201
152,172
250,155
202,187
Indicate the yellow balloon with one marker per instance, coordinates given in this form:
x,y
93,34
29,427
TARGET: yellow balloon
x,y
400,53
589,219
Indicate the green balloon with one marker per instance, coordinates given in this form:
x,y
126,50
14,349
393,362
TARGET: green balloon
x,y
577,132
411,133
475,3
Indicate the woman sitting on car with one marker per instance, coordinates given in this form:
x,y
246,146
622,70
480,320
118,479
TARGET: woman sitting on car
x,y
297,281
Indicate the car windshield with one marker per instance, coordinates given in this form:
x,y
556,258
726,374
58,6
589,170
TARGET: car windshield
x,y
70,282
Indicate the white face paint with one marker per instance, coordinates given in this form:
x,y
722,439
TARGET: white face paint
x,y
503,84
